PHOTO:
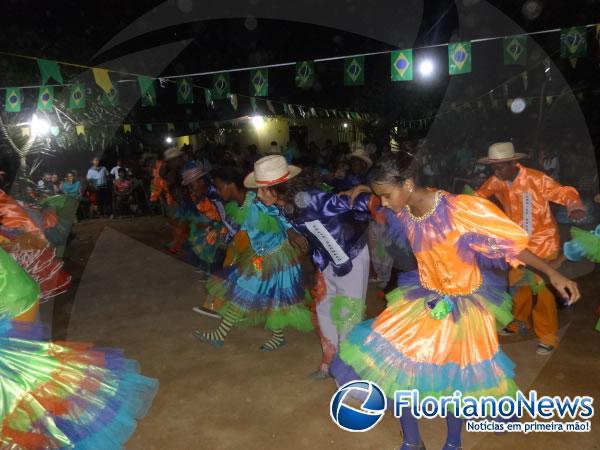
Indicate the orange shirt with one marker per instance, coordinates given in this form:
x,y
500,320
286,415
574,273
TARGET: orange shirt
x,y
527,201
441,267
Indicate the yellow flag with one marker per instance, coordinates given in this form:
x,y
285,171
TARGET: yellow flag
x,y
170,126
103,79
80,129
126,128
25,131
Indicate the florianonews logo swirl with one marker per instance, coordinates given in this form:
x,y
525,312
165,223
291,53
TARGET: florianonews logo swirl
x,y
360,419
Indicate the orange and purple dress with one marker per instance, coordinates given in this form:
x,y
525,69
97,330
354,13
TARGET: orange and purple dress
x,y
438,332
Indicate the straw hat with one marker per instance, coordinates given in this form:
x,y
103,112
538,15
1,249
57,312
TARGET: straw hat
x,y
192,174
361,153
501,152
269,171
172,153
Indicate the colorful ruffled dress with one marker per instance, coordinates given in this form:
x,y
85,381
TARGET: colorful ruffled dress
x,y
65,395
262,277
438,332
18,233
207,232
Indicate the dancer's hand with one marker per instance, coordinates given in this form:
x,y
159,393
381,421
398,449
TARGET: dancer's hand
x,y
356,191
566,288
298,241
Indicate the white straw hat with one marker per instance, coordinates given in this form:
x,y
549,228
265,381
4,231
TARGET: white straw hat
x,y
361,153
172,153
501,152
269,171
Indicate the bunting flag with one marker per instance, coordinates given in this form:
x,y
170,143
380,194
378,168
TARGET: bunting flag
x,y
185,92
49,69
259,83
459,58
25,131
80,129
194,126
102,79
46,98
208,97
271,107
402,65
221,86
573,43
13,100
305,74
110,98
55,131
253,104
515,50
147,90
170,126
149,126
234,101
77,96
354,71
127,128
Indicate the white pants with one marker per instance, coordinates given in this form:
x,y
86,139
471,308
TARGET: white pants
x,y
352,285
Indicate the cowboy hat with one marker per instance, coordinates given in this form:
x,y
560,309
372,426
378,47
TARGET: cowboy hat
x,y
501,152
360,153
269,171
192,174
172,153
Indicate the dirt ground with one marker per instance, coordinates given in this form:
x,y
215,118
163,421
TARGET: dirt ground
x,y
129,293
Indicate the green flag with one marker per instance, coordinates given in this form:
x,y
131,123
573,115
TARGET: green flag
x,y
305,74
459,58
185,92
220,89
77,96
46,98
515,50
111,98
147,91
253,103
13,100
573,43
208,97
49,69
259,83
401,65
55,131
354,71
149,126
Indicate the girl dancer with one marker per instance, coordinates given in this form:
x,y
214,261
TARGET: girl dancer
x,y
438,333
337,231
262,281
60,395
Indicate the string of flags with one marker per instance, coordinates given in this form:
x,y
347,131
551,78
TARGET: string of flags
x,y
573,45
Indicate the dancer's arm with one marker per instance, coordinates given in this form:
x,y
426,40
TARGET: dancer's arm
x,y
567,288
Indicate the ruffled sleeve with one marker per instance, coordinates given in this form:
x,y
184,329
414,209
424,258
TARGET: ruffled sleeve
x,y
485,230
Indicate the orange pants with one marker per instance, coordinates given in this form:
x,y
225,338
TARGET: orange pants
x,y
533,310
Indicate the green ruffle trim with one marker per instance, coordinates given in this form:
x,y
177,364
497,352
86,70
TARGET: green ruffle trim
x,y
346,312
18,290
589,243
239,215
468,190
296,316
368,369
278,260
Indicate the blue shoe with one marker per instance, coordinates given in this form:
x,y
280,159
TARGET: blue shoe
x,y
201,337
408,446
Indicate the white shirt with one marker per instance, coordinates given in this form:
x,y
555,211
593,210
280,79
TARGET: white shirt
x,y
98,176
